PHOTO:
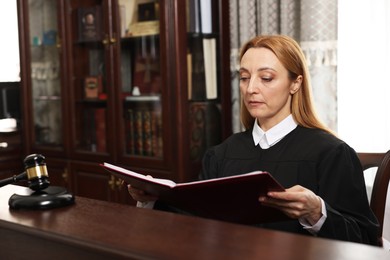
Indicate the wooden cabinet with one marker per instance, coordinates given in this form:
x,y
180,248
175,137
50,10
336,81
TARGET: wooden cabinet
x,y
136,83
11,162
10,135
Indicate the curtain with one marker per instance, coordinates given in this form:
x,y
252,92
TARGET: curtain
x,y
313,23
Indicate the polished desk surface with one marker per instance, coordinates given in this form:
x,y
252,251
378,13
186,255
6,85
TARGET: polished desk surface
x,y
92,229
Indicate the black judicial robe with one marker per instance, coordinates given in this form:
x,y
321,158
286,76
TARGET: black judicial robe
x,y
313,159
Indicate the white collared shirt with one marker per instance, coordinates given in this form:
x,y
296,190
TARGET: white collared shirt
x,y
270,138
273,135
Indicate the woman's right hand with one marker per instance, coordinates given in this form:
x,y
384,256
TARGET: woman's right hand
x,y
140,195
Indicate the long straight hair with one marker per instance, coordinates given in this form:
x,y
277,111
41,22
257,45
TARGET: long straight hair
x,y
292,58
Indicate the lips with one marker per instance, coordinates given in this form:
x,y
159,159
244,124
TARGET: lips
x,y
254,102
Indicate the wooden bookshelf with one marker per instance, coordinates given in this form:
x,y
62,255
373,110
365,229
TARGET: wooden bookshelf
x,y
123,90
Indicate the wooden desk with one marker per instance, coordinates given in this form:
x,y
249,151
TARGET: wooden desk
x,y
93,229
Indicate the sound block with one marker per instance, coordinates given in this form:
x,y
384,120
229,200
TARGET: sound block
x,y
51,197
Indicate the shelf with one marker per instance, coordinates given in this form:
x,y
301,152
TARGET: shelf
x,y
143,98
93,102
48,98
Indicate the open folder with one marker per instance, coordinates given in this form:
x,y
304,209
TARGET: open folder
x,y
233,199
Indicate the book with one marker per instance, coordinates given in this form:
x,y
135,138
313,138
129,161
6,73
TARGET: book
x,y
206,16
232,199
189,75
129,130
147,133
198,84
156,133
138,133
210,67
205,122
100,124
122,18
193,16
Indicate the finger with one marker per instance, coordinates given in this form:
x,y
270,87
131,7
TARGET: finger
x,y
281,204
286,195
290,209
141,195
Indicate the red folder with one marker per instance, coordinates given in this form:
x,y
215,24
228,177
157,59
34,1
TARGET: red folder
x,y
232,199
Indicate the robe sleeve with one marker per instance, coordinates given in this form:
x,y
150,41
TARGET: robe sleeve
x,y
342,187
209,165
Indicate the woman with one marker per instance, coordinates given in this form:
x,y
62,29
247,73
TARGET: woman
x,y
326,194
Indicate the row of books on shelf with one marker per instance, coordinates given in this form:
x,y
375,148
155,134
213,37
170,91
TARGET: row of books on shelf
x,y
143,130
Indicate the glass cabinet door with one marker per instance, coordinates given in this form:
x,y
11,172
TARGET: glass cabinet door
x,y
204,94
141,78
45,72
90,82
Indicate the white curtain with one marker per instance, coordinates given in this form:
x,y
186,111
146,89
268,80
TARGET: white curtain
x,y
313,23
363,74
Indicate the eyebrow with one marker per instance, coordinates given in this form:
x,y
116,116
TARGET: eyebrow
x,y
259,69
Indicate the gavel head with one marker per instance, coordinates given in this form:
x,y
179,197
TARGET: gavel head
x,y
36,171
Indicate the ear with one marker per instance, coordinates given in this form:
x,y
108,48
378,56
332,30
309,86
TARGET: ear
x,y
296,85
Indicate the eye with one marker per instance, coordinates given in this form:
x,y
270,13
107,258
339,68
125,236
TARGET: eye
x,y
266,79
244,78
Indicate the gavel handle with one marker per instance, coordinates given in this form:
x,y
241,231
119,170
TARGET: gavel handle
x,y
13,179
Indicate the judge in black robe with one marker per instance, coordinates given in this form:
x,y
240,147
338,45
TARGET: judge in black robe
x,y
315,160
325,191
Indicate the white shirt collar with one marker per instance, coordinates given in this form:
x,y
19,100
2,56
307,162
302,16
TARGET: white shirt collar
x,y
273,135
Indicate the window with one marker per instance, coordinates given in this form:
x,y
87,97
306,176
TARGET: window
x,y
9,46
363,74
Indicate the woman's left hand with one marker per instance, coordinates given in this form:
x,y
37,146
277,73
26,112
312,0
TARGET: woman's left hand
x,y
296,202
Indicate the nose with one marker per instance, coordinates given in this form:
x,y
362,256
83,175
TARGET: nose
x,y
252,86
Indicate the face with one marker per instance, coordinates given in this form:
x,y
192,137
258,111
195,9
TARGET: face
x,y
265,87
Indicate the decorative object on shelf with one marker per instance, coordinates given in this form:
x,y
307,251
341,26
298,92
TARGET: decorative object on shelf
x,y
148,12
93,87
8,125
147,22
136,91
147,67
144,28
146,75
90,23
49,38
